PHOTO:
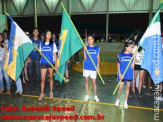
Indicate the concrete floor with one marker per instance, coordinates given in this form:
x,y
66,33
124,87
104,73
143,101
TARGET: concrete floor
x,y
73,93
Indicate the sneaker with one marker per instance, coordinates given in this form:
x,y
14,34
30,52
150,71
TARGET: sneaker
x,y
96,99
150,87
67,79
87,98
144,86
117,103
41,97
77,63
125,105
160,98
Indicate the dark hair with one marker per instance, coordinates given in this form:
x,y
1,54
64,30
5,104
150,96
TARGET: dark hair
x,y
91,36
5,31
51,42
54,34
35,29
127,44
139,36
133,34
1,41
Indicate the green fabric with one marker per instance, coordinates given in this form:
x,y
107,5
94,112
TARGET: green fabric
x,y
156,17
71,44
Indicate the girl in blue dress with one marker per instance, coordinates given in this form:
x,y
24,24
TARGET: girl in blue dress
x,y
123,60
48,49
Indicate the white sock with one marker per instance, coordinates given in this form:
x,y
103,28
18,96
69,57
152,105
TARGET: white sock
x,y
125,101
118,100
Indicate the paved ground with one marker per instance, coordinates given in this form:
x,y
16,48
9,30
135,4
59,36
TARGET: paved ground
x,y
73,93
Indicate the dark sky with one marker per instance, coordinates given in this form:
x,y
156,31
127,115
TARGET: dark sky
x,y
118,23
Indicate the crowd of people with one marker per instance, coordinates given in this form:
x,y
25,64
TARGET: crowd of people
x,y
37,69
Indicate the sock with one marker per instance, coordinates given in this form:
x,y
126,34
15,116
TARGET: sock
x,y
118,100
125,101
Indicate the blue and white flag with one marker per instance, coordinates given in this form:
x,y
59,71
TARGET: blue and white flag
x,y
151,42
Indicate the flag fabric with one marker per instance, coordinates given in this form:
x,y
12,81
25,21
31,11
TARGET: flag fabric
x,y
151,42
20,46
69,44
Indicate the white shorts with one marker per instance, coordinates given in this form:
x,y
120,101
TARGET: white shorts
x,y
92,74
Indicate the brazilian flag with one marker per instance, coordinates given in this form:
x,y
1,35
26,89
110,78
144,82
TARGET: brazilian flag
x,y
69,43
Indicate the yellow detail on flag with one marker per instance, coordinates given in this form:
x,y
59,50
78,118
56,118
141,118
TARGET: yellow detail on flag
x,y
63,38
17,40
11,69
157,72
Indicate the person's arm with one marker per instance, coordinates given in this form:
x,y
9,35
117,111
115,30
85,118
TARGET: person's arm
x,y
85,58
41,54
6,51
133,63
55,57
118,68
98,63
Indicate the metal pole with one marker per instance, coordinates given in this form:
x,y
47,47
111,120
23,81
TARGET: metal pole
x,y
107,20
150,10
35,14
3,10
69,8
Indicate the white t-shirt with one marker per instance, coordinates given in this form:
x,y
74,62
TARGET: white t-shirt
x,y
6,42
54,48
2,53
139,55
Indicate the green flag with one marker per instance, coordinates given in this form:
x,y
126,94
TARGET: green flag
x,y
69,43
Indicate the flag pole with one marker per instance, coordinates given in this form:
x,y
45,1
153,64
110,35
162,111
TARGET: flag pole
x,y
125,70
51,64
82,43
45,58
136,51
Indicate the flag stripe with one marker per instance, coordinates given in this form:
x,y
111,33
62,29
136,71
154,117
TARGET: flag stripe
x,y
149,32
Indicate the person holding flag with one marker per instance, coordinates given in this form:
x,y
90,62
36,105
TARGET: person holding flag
x,y
19,48
123,60
153,55
89,69
70,42
151,43
48,49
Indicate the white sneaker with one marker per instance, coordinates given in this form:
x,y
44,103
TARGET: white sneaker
x,y
160,98
96,99
66,80
117,103
125,105
87,98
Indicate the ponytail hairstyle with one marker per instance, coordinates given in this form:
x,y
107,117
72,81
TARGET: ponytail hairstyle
x,y
127,44
51,42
